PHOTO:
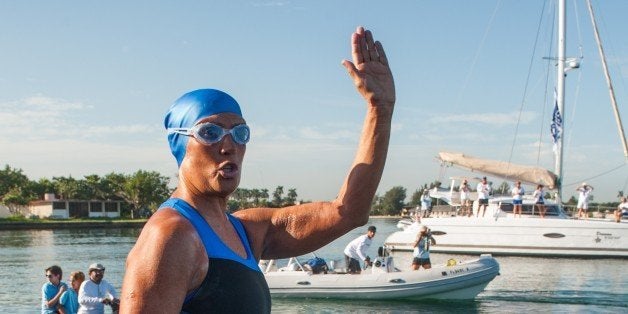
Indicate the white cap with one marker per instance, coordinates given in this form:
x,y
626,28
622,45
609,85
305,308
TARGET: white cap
x,y
97,266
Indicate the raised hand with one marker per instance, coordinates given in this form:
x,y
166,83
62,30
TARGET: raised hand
x,y
370,71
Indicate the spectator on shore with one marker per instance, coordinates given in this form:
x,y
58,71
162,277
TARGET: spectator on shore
x,y
96,292
52,290
68,304
356,250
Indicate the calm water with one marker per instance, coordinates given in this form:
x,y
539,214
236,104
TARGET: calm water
x,y
525,285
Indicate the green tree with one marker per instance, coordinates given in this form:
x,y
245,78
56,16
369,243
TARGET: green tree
x,y
15,198
143,189
278,196
503,189
291,199
376,205
68,188
392,201
43,186
264,198
416,198
15,189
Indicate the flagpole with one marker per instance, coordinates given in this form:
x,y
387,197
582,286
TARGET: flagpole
x,y
560,95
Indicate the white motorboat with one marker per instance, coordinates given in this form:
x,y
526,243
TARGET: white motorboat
x,y
456,280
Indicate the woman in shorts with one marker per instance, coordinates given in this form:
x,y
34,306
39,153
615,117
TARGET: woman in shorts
x,y
422,249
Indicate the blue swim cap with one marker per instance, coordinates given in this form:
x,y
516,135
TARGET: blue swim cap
x,y
189,109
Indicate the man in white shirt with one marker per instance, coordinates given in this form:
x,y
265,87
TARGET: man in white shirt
x,y
96,292
355,251
517,198
483,190
465,201
583,199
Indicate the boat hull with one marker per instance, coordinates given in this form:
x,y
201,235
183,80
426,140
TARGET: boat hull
x,y
462,281
520,236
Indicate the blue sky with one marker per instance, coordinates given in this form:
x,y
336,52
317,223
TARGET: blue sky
x,y
84,86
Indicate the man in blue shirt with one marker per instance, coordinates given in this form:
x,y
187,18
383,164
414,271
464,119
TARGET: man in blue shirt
x,y
51,291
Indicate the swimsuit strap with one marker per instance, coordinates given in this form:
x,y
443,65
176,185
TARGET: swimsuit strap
x,y
214,246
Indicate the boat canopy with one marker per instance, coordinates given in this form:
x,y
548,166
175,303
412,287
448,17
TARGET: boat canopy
x,y
505,170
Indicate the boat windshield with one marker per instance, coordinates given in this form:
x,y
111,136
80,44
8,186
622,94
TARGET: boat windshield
x,y
529,209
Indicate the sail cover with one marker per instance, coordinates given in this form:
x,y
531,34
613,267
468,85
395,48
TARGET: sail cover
x,y
505,170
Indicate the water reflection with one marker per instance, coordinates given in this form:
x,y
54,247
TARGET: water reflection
x,y
525,284
24,254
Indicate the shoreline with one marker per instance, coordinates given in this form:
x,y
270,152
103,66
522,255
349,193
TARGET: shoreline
x,y
96,223
48,224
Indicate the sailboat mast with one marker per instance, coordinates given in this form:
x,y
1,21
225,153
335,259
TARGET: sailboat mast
x,y
611,91
560,95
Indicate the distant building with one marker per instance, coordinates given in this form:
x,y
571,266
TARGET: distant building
x,y
51,207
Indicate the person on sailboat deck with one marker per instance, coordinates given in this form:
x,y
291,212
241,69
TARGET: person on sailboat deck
x,y
517,198
421,250
426,203
194,256
539,199
584,190
465,202
622,209
483,189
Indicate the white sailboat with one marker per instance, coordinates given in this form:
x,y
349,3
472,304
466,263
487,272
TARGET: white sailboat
x,y
497,231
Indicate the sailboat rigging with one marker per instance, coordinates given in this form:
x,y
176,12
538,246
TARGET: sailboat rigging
x,y
551,234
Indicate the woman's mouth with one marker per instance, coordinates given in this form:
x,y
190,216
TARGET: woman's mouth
x,y
228,171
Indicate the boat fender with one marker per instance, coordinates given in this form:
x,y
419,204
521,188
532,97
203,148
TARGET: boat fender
x,y
451,262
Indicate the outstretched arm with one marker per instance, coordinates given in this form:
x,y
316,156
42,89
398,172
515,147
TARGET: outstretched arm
x,y
303,228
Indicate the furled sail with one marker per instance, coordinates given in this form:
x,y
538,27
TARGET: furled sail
x,y
505,170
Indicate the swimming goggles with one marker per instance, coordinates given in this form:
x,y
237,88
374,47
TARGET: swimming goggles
x,y
208,133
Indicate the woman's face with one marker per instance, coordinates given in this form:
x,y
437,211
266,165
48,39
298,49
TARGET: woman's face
x,y
214,168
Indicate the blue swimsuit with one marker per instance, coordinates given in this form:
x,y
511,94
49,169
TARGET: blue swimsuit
x,y
232,284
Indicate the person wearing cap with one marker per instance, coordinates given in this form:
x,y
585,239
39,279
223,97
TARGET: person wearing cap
x,y
52,290
483,189
96,292
356,250
194,256
68,303
583,199
517,193
421,251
